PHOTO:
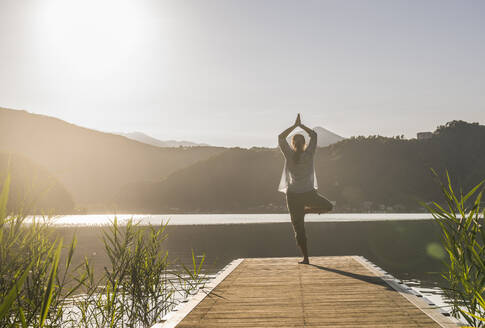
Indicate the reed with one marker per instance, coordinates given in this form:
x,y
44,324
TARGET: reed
x,y
39,287
463,238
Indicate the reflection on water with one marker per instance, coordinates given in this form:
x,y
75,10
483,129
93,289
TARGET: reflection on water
x,y
407,249
410,250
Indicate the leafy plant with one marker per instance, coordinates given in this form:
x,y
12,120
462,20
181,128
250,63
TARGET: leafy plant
x,y
37,289
138,287
32,288
463,237
195,279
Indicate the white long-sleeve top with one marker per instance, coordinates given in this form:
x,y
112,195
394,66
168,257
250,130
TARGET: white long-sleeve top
x,y
298,176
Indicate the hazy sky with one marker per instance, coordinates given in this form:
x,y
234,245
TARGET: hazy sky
x,y
237,72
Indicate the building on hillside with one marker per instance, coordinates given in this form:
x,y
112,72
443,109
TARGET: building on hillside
x,y
424,135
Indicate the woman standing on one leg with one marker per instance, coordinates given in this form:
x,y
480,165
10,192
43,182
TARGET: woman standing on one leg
x,y
299,182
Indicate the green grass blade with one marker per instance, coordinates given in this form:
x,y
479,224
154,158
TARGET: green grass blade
x,y
47,299
471,192
22,318
14,291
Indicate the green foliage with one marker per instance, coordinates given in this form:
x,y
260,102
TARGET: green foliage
x,y
9,299
194,274
37,289
463,235
29,262
139,287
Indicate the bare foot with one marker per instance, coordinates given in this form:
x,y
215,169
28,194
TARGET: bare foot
x,y
305,261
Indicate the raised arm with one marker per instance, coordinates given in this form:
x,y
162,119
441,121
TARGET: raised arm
x,y
283,135
285,148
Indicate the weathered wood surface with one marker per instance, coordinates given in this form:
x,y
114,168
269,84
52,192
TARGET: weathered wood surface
x,y
331,292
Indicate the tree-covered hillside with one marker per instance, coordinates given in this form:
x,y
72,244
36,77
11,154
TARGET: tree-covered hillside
x,y
92,165
33,189
361,173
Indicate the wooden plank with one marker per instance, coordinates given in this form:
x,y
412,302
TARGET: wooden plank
x,y
416,299
343,291
173,318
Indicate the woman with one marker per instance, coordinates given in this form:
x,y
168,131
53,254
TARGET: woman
x,y
299,182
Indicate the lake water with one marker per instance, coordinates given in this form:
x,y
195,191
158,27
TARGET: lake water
x,y
203,219
405,245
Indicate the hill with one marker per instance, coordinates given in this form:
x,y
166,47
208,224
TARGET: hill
x,y
362,174
91,165
237,180
141,137
32,188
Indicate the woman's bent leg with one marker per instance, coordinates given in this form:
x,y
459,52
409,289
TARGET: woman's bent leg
x,y
297,214
316,203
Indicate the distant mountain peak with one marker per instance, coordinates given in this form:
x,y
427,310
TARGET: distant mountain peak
x,y
144,138
326,137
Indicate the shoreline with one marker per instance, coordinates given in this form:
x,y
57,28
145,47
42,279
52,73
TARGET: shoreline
x,y
227,219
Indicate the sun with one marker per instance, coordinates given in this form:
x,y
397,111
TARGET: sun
x,y
89,37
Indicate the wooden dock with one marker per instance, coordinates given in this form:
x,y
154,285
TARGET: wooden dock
x,y
343,291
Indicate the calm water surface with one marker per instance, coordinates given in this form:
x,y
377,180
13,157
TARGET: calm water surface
x,y
202,219
405,245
